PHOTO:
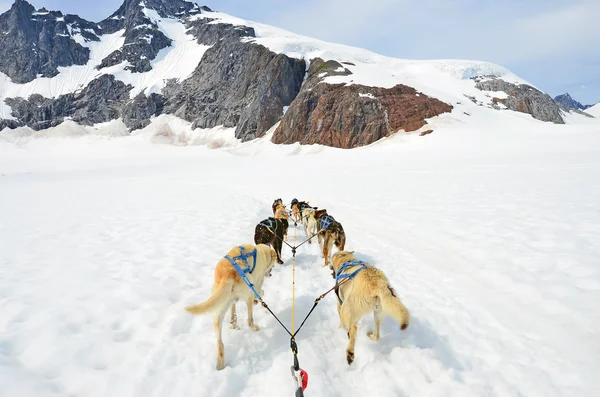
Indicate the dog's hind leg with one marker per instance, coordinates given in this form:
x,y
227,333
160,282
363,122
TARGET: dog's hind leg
x,y
378,314
340,241
251,324
327,248
277,246
320,239
218,324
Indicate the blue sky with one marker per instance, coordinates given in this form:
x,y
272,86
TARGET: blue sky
x,y
554,44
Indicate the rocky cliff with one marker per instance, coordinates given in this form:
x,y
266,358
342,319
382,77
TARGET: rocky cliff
x,y
35,43
240,79
523,98
348,116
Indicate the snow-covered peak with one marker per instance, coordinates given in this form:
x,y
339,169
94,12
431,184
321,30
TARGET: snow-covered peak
x,y
594,110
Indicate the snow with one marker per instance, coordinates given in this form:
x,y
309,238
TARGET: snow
x,y
594,110
488,234
175,62
368,95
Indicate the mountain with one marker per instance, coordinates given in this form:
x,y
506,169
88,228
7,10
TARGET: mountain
x,y
158,57
570,103
594,110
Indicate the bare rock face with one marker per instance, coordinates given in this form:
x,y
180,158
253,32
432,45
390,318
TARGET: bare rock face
x,y
36,43
237,84
523,98
101,101
349,116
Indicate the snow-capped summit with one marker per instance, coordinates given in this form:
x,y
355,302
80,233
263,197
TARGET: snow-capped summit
x,y
153,57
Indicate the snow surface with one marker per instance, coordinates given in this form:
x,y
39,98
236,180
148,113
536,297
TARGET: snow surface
x,y
489,235
594,110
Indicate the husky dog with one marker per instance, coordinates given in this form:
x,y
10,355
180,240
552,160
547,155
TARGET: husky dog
x,y
229,288
329,232
309,222
270,231
282,214
297,207
368,290
276,203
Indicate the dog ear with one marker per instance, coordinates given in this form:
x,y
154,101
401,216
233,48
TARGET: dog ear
x,y
351,252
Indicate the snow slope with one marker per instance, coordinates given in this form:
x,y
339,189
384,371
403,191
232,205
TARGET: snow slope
x,y
488,235
594,110
446,79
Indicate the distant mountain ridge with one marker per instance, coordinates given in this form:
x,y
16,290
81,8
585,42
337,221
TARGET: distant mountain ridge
x,y
570,103
174,57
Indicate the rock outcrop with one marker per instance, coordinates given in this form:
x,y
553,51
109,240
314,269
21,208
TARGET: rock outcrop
x,y
348,116
35,43
523,98
101,101
237,84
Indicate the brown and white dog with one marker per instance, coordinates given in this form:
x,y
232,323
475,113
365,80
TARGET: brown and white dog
x,y
330,232
271,231
369,291
276,203
228,288
297,207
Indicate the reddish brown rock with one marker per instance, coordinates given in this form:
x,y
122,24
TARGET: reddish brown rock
x,y
348,116
425,132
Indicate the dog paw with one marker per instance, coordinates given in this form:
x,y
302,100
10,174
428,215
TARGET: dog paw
x,y
234,326
349,356
254,327
280,261
220,365
373,336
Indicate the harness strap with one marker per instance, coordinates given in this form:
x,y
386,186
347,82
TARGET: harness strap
x,y
242,272
326,221
271,224
339,276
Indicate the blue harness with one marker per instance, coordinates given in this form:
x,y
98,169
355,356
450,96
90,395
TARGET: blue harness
x,y
339,276
326,221
244,256
270,223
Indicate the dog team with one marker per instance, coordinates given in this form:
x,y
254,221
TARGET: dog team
x,y
360,287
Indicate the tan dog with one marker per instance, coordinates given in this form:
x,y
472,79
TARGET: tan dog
x,y
368,291
309,222
229,287
282,213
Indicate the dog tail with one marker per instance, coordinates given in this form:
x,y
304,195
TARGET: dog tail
x,y
391,305
217,299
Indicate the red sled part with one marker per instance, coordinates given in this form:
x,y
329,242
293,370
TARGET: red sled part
x,y
304,378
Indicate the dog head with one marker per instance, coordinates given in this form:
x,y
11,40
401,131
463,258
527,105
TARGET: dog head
x,y
277,202
339,258
320,213
281,212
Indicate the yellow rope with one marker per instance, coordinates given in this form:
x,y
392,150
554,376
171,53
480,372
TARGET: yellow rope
x,y
293,284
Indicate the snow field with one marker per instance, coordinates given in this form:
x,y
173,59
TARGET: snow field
x,y
103,242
